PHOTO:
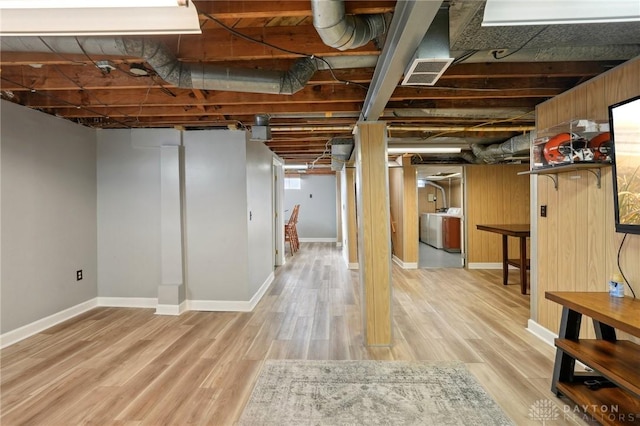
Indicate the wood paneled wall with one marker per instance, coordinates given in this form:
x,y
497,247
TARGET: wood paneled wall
x,y
577,242
426,206
453,190
404,212
396,190
496,194
410,207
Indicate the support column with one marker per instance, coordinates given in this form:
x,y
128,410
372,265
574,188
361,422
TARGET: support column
x,y
171,291
410,214
350,231
374,235
338,209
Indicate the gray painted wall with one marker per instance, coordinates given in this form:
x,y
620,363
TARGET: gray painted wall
x,y
91,200
48,203
317,215
129,213
260,204
216,215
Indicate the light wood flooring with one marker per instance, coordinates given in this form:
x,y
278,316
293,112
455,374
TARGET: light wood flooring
x,y
129,366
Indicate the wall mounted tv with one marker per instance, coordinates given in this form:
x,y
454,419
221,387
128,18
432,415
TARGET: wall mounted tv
x,y
624,124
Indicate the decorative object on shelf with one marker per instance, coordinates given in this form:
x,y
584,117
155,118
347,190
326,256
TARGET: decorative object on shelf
x,y
616,285
576,141
601,145
566,148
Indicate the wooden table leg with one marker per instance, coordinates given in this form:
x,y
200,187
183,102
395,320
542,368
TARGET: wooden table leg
x,y
523,265
505,265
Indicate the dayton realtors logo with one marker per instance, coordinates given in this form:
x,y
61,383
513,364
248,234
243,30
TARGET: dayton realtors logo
x,y
544,410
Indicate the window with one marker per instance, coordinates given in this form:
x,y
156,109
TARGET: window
x,y
292,182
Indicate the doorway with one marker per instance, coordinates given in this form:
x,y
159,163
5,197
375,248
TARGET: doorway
x,y
441,216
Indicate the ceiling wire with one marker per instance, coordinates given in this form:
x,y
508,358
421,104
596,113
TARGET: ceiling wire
x,y
146,96
58,99
282,49
480,125
495,52
73,61
464,57
88,92
150,86
79,86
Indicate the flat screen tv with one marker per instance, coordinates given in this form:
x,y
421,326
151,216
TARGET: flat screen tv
x,y
624,125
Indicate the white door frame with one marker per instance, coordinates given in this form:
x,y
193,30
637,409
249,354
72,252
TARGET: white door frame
x,y
278,212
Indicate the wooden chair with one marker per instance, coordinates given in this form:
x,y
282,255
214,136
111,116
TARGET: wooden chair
x,y
291,231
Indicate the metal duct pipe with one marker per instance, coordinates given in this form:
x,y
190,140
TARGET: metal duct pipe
x,y
468,157
183,75
444,196
495,152
336,29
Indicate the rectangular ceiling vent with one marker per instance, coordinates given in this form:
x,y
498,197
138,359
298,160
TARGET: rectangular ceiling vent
x,y
431,58
425,72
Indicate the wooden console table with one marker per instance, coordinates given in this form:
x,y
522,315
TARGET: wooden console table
x,y
521,231
615,360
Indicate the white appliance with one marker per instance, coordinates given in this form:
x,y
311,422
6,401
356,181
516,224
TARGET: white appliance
x,y
431,226
424,225
434,229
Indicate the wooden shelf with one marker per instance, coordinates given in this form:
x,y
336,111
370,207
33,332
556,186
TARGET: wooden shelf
x,y
622,313
552,171
618,361
613,359
594,401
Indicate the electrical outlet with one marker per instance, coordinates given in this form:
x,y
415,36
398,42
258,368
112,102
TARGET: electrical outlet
x,y
543,211
79,275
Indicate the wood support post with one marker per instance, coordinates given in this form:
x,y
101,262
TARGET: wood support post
x,y
374,237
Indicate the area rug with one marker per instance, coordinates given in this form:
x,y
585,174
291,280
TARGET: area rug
x,y
334,393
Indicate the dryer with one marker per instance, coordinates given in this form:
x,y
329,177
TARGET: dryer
x,y
431,229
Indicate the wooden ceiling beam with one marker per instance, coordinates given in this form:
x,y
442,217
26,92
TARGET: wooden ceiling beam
x,y
319,96
72,77
220,45
191,111
236,9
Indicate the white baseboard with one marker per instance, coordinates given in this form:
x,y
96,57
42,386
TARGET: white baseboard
x,y
261,291
487,265
405,265
14,336
218,305
317,240
231,305
548,337
541,333
171,309
128,302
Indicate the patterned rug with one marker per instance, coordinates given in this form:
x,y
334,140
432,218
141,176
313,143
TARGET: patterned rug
x,y
395,393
